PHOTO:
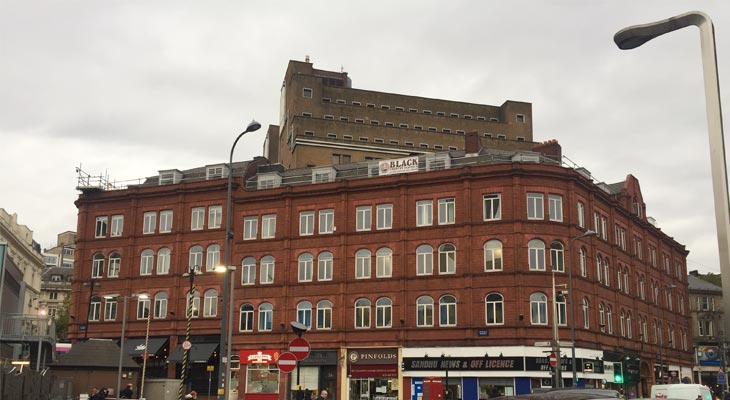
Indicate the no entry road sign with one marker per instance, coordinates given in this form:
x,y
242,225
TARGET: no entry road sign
x,y
287,362
300,348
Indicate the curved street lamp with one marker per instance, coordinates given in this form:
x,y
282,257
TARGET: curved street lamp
x,y
636,35
224,367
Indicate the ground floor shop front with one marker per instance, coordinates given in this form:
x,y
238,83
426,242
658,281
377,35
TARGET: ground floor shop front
x,y
444,373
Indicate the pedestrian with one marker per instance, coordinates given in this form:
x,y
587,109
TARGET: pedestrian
x,y
127,392
323,394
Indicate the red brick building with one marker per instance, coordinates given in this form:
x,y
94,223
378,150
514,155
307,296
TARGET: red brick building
x,y
415,268
454,258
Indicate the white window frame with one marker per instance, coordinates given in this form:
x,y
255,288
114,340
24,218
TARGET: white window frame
x,y
535,206
326,221
492,206
215,217
581,214
555,203
306,223
424,213
447,211
197,218
149,223
250,227
166,218
101,227
364,218
363,261
117,226
384,216
268,226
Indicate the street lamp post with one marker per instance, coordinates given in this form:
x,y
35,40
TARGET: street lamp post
x,y
571,310
634,36
226,326
186,363
146,345
121,338
557,369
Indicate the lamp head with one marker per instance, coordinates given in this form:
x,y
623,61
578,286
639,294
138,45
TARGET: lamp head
x,y
298,327
253,126
589,233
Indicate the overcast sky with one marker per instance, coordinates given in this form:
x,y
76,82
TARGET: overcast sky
x,y
130,88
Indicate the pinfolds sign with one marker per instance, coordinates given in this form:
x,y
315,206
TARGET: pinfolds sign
x,y
372,356
463,364
398,166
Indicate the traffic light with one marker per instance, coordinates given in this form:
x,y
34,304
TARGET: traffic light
x,y
618,373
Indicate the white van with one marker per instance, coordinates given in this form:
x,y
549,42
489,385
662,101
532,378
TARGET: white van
x,y
685,391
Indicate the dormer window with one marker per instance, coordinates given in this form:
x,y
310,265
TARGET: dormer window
x,y
268,180
320,175
56,278
170,177
216,171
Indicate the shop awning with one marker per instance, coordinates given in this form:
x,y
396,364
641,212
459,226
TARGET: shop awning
x,y
135,347
199,353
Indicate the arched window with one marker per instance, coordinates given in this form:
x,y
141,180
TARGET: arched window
x,y
248,271
561,304
644,330
384,263
95,308
629,327
362,313
626,280
160,305
424,260
266,317
143,307
538,309
557,256
246,321
622,323
115,264
619,277
195,259
97,269
362,264
493,255
324,266
583,262
210,303
494,309
267,270
642,292
163,261
304,313
324,314
146,262
655,330
609,319
110,309
447,310
599,268
195,310
306,267
601,317
586,315
213,257
424,311
536,252
607,272
383,313
447,258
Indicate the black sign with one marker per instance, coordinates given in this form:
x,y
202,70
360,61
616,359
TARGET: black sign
x,y
566,364
463,364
